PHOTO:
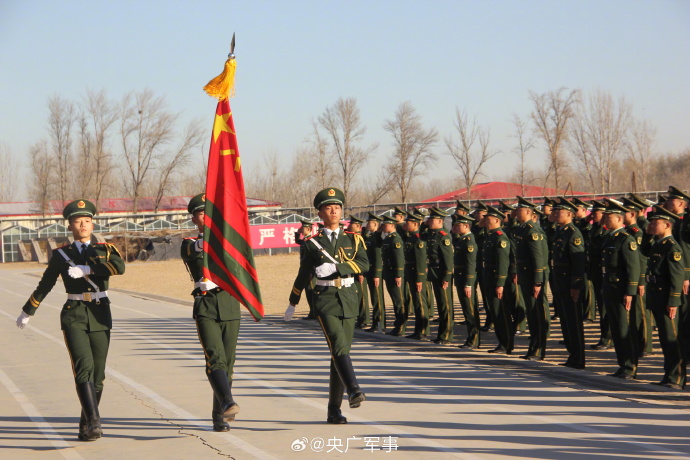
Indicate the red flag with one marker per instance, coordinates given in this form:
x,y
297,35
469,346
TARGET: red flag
x,y
228,256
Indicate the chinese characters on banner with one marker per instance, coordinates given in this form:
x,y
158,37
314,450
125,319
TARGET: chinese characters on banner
x,y
273,236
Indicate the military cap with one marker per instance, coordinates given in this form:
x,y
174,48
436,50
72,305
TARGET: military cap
x,y
79,208
661,199
644,203
460,205
356,220
597,205
436,213
373,216
563,203
457,219
479,206
305,223
631,205
579,203
196,203
398,211
538,212
614,207
548,202
523,203
505,207
659,212
329,196
673,192
412,217
421,212
491,211
389,220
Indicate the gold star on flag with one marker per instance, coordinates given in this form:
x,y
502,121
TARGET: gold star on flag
x,y
220,124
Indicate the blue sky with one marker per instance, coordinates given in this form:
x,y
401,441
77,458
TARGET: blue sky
x,y
297,57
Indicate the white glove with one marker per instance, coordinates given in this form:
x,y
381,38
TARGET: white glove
x,y
199,245
23,320
79,271
207,285
324,270
289,312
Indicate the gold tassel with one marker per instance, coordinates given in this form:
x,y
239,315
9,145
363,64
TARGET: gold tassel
x,y
223,86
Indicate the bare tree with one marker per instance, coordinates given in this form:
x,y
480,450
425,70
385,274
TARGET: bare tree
x,y
411,147
640,149
320,159
146,127
377,189
41,186
525,143
608,124
469,157
343,125
102,114
84,157
60,120
9,174
552,112
193,136
578,141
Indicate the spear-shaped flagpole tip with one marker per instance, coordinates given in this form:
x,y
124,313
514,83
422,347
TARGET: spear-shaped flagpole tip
x,y
232,47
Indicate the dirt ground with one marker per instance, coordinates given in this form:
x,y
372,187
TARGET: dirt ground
x,y
170,278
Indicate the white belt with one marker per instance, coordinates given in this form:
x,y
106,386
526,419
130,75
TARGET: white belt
x,y
88,296
338,282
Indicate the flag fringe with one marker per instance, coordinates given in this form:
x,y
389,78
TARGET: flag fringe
x,y
223,86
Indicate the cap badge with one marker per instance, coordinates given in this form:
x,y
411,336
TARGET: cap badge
x,y
81,205
331,192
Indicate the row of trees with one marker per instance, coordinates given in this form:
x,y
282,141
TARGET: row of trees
x,y
101,148
593,143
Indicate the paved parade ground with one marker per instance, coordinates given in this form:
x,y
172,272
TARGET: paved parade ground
x,y
424,401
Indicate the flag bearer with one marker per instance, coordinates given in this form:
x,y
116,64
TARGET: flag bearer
x,y
217,317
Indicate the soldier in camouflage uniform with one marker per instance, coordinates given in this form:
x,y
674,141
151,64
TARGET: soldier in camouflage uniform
x,y
85,319
334,257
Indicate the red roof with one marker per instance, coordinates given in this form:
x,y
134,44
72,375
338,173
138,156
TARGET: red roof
x,y
496,190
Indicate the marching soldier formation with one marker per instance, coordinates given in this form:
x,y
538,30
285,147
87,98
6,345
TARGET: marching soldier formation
x,y
604,258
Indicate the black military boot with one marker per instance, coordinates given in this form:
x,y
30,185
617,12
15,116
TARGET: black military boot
x,y
82,420
217,416
89,406
343,364
221,388
335,397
